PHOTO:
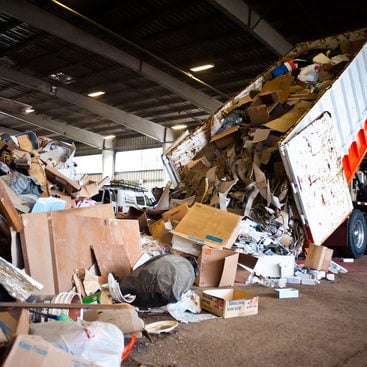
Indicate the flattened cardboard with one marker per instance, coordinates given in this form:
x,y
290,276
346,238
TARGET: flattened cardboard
x,y
207,225
229,302
217,267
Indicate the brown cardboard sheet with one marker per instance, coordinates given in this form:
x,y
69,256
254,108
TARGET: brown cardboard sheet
x,y
36,242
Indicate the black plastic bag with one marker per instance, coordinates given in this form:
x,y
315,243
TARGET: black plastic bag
x,y
159,281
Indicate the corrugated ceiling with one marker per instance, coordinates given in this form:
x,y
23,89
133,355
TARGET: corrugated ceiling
x,y
139,53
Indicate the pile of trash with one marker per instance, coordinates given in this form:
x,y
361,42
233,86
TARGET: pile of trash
x,y
240,168
37,168
231,219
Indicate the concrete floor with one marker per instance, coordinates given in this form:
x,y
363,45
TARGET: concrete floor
x,y
325,326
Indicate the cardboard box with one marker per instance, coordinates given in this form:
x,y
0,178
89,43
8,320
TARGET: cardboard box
x,y
174,215
227,137
207,225
33,351
266,107
14,323
185,245
217,267
275,266
318,257
287,292
229,302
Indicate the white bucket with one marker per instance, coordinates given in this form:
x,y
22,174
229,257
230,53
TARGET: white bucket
x,y
70,297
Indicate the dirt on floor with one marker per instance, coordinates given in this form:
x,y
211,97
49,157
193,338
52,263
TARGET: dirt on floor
x,y
325,326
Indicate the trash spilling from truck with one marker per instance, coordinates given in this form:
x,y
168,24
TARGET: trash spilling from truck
x,y
283,151
258,190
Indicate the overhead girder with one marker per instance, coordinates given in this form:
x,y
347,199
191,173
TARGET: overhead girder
x,y
133,122
243,15
48,22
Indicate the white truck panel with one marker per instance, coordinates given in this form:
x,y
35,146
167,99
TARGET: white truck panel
x,y
315,170
313,150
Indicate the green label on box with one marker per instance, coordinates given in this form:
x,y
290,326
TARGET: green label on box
x,y
214,239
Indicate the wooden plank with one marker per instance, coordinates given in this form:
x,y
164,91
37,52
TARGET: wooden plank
x,y
36,245
7,207
109,306
115,242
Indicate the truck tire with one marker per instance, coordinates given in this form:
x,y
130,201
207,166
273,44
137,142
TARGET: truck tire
x,y
357,235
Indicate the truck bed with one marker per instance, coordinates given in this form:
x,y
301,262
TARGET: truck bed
x,y
316,134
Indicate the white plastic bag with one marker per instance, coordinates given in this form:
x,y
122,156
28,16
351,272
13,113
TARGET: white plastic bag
x,y
100,342
309,74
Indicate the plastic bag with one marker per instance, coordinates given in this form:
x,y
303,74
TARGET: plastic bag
x,y
159,281
100,342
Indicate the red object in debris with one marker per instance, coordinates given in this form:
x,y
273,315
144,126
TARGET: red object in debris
x,y
128,348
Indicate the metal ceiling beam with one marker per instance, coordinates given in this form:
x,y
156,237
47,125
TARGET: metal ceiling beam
x,y
44,20
61,128
6,130
133,122
243,15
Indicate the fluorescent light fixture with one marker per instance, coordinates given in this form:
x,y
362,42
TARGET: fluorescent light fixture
x,y
29,110
202,67
96,94
179,127
109,137
62,77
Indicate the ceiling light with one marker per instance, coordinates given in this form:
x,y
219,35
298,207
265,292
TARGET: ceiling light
x,y
179,127
29,110
202,67
109,137
62,77
96,94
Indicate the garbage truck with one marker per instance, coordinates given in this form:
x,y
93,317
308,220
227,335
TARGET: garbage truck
x,y
305,116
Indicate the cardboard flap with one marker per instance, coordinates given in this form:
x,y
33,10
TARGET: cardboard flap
x,y
228,274
217,267
210,226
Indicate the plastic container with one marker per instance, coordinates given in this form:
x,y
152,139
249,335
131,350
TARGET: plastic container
x,y
68,298
282,69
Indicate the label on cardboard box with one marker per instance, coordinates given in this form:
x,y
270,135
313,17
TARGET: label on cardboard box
x,y
34,351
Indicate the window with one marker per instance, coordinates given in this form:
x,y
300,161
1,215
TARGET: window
x,y
139,160
89,163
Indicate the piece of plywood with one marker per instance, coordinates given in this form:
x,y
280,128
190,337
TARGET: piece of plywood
x,y
36,244
73,238
7,208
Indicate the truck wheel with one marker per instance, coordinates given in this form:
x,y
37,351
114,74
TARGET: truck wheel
x,y
357,235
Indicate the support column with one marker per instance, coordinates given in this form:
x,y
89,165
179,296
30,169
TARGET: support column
x,y
108,157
